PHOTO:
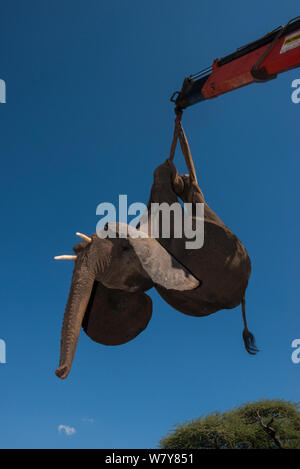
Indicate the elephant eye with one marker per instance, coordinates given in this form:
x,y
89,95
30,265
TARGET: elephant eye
x,y
79,247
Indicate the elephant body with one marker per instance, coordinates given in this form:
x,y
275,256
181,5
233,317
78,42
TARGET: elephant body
x,y
111,274
222,265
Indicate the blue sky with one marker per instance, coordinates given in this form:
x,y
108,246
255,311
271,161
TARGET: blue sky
x,y
87,118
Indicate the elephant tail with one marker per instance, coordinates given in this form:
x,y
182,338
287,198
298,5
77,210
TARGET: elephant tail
x,y
249,339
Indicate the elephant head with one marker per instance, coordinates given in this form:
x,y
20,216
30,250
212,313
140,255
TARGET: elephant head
x,y
110,276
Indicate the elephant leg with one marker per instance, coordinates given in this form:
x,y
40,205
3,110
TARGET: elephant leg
x,y
190,192
162,188
114,317
162,192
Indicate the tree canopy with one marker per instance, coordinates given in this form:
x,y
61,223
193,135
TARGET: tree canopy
x,y
262,424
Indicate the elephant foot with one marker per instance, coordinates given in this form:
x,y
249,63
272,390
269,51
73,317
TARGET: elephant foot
x,y
62,371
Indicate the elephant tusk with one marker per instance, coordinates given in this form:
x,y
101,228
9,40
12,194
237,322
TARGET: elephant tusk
x,y
83,236
65,257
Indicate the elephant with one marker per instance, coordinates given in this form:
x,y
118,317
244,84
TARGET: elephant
x,y
116,266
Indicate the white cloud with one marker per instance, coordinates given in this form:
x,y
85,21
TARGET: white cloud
x,y
68,430
88,420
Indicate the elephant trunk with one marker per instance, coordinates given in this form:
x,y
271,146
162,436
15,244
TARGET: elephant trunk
x,y
81,288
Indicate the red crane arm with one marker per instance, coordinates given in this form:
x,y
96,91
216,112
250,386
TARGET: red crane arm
x,y
258,61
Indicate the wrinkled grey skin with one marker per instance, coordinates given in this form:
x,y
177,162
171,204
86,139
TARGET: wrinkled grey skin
x,y
222,265
94,262
130,265
195,282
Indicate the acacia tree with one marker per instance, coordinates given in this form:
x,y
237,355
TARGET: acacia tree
x,y
265,423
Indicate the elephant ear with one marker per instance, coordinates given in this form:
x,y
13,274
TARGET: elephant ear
x,y
159,264
162,267
114,317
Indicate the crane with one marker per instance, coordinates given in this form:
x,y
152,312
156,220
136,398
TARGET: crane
x,y
258,61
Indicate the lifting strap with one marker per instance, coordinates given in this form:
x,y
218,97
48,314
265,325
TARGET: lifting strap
x,y
180,134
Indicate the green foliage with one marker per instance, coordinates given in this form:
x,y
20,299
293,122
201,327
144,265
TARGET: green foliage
x,y
262,424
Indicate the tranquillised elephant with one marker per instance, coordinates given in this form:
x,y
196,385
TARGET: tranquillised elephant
x,y
107,296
